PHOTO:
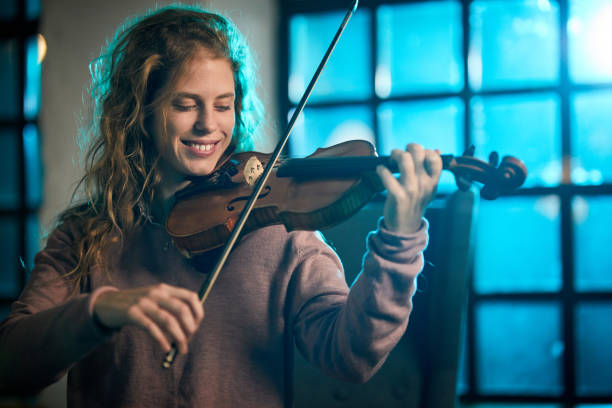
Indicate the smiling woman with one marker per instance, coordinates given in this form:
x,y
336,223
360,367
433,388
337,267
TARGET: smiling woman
x,y
110,294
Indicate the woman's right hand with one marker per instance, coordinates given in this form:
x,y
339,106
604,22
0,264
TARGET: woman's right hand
x,y
168,313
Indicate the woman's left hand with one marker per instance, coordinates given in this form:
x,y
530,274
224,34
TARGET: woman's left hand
x,y
409,195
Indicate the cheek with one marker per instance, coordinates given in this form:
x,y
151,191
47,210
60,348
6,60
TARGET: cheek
x,y
178,125
230,123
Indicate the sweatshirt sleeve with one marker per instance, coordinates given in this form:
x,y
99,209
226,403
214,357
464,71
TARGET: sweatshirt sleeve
x,y
48,330
349,334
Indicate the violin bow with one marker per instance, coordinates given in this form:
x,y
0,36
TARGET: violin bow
x,y
263,178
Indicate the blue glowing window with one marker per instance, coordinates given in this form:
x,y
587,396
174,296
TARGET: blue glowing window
x,y
434,124
419,48
594,406
32,9
593,351
33,165
526,127
9,78
323,127
591,137
310,35
9,272
589,30
34,52
513,44
9,9
520,348
9,182
518,247
592,224
464,368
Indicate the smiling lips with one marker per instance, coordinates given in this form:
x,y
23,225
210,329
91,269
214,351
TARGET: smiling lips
x,y
200,148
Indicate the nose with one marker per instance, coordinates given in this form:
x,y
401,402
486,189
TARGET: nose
x,y
205,122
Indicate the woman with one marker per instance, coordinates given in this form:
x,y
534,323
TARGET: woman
x,y
109,294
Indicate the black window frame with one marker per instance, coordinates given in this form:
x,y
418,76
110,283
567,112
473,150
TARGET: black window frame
x,y
20,28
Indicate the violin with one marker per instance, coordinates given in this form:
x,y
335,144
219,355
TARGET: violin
x,y
313,193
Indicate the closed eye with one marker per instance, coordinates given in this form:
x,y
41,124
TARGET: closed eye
x,y
184,108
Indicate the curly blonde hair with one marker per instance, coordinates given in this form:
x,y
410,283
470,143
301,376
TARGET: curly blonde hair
x,y
121,172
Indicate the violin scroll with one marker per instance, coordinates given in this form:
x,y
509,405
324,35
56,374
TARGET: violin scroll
x,y
496,178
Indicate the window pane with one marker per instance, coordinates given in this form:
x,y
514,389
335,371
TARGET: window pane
x,y
519,348
31,100
419,48
518,245
593,351
32,9
310,35
9,253
33,168
436,124
526,127
589,30
591,137
9,168
592,224
323,127
8,10
9,77
513,43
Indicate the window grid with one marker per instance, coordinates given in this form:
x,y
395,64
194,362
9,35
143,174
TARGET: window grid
x,y
20,28
566,191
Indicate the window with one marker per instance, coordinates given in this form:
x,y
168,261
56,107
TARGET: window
x,y
21,52
528,78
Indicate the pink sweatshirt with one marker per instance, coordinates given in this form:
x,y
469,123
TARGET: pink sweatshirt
x,y
276,289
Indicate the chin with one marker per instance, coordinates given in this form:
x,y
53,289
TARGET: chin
x,y
201,171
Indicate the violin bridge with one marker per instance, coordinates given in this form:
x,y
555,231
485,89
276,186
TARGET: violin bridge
x,y
252,170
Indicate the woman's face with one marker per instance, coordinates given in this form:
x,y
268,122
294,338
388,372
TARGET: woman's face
x,y
200,118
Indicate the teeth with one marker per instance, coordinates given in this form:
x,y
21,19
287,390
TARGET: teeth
x,y
202,147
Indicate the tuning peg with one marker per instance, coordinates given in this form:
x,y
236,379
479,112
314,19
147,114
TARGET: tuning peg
x,y
494,158
469,151
489,192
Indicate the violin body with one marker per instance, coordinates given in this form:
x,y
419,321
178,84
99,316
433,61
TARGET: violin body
x,y
205,213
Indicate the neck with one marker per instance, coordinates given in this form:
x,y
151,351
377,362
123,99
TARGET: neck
x,y
170,184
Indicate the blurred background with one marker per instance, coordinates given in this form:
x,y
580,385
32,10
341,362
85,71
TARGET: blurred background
x,y
528,78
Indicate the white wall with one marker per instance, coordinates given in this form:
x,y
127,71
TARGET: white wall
x,y
75,31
